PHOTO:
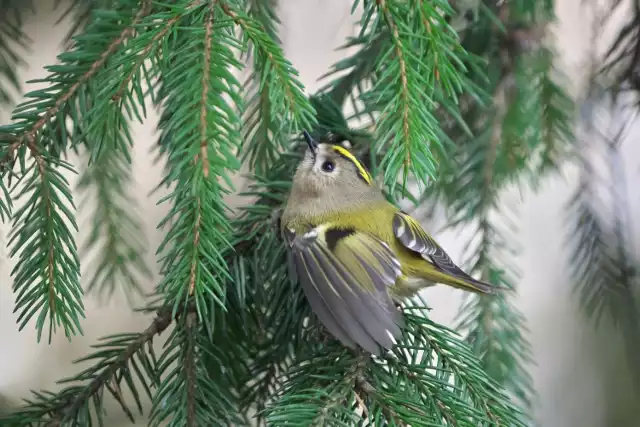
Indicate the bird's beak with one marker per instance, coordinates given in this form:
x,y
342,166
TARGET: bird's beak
x,y
313,145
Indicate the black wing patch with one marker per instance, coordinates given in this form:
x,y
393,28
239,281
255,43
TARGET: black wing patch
x,y
353,303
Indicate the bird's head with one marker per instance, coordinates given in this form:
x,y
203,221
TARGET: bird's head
x,y
330,168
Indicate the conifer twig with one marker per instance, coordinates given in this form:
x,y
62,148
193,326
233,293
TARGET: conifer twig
x,y
203,156
190,368
205,92
404,93
160,323
70,404
292,97
362,385
30,135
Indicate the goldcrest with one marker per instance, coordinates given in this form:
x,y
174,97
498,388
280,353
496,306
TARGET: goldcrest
x,y
354,253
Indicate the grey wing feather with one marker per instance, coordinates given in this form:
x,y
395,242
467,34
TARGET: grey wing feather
x,y
341,314
319,306
363,313
369,309
291,266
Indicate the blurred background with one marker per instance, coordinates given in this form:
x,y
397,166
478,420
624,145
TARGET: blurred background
x,y
580,373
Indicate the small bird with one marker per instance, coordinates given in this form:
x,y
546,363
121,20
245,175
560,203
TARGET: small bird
x,y
354,253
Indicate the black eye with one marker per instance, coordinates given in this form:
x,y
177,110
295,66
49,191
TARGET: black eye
x,y
328,166
469,15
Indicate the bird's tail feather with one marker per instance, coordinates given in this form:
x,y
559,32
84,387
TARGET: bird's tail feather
x,y
465,282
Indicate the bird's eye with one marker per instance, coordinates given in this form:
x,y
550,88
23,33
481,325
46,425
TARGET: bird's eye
x,y
328,166
469,15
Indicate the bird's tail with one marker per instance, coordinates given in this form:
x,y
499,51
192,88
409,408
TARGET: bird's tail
x,y
463,281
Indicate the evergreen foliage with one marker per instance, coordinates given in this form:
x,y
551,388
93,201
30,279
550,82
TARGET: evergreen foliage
x,y
462,114
604,264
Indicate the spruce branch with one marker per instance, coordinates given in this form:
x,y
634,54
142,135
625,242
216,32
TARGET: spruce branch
x,y
493,326
557,118
244,335
407,88
360,69
109,142
201,156
405,121
280,106
52,101
186,395
306,370
282,74
128,93
116,239
264,11
46,276
603,262
456,359
119,361
317,379
619,63
277,308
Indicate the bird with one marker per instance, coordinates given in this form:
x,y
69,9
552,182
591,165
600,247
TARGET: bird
x,y
354,253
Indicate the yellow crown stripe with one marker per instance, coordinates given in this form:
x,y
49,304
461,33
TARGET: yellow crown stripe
x,y
347,155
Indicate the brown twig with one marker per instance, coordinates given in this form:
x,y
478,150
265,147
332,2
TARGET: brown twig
x,y
395,33
203,156
145,52
46,197
190,368
205,92
361,404
363,386
427,26
196,242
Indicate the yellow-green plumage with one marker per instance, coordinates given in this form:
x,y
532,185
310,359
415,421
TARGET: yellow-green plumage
x,y
353,252
379,219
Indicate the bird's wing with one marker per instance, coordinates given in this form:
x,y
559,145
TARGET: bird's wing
x,y
352,302
411,234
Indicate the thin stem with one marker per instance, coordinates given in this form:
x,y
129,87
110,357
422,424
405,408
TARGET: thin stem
x,y
190,368
404,92
203,157
205,92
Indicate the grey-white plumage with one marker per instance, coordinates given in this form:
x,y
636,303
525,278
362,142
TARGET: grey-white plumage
x,y
352,314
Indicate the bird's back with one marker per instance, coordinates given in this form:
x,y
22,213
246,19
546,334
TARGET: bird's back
x,y
375,219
